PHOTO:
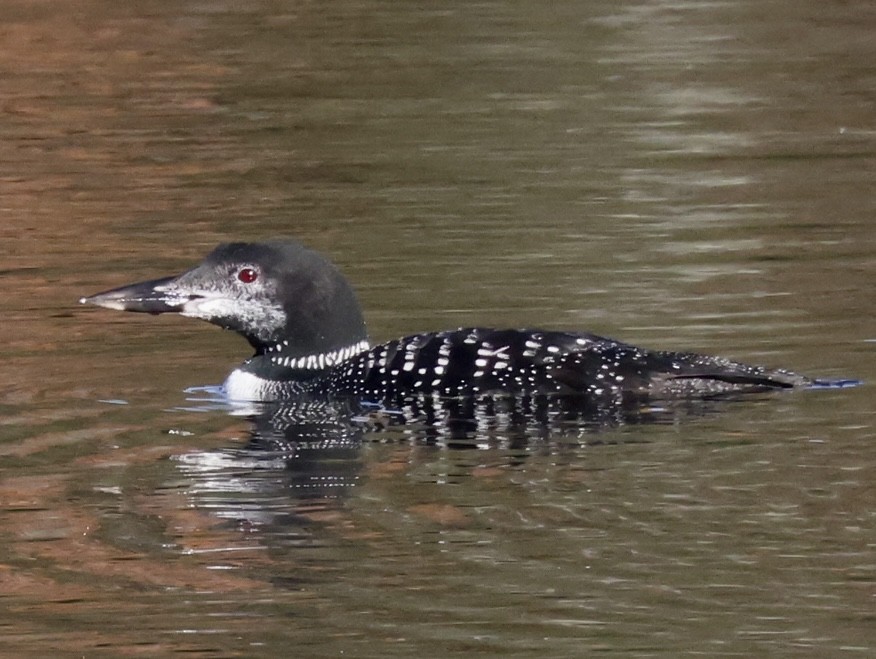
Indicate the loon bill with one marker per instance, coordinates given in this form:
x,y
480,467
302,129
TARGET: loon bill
x,y
303,319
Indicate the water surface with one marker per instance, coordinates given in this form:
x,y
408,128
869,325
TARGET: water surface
x,y
682,176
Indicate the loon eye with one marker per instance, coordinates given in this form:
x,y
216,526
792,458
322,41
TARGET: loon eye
x,y
247,275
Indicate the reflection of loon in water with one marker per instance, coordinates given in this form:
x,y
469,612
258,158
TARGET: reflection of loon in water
x,y
304,457
312,352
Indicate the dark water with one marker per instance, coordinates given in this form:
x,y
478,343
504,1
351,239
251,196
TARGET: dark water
x,y
679,175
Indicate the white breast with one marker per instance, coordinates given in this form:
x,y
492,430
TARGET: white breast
x,y
243,386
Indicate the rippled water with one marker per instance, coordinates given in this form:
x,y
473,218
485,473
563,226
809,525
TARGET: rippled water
x,y
678,175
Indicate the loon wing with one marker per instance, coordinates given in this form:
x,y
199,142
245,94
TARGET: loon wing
x,y
477,361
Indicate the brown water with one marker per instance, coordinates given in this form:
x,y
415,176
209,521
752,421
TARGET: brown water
x,y
678,175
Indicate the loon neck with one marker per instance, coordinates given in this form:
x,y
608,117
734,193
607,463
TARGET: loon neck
x,y
283,356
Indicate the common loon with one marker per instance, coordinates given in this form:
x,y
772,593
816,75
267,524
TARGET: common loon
x,y
302,318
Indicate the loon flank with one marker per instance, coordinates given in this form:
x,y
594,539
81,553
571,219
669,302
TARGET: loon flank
x,y
304,322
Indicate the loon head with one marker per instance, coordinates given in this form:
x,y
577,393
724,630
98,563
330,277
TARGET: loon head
x,y
280,295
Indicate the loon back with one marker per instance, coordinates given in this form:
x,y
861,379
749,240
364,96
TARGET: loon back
x,y
303,320
489,362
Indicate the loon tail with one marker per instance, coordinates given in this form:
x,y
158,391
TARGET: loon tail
x,y
839,383
716,375
692,375
675,374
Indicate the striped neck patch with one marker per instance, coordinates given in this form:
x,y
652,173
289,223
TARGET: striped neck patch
x,y
320,361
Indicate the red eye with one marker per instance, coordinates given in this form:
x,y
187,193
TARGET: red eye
x,y
247,275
